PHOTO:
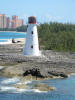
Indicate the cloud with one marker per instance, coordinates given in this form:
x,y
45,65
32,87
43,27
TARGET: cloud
x,y
58,17
49,17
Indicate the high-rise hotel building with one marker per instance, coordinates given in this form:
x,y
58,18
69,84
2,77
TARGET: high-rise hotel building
x,y
4,23
16,22
8,22
0,21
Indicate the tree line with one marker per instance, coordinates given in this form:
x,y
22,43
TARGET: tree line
x,y
18,29
57,36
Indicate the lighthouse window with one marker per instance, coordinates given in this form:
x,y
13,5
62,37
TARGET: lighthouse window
x,y
31,46
32,32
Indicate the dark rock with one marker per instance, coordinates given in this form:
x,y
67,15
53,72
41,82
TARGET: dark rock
x,y
13,41
34,72
64,75
58,74
53,73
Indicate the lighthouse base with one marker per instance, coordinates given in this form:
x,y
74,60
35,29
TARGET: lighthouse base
x,y
32,54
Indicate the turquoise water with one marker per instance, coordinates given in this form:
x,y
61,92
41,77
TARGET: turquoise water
x,y
10,35
65,91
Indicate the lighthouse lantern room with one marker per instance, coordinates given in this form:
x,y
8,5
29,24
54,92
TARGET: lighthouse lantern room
x,y
32,44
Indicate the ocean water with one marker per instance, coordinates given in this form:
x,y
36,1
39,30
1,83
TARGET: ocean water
x,y
11,35
65,90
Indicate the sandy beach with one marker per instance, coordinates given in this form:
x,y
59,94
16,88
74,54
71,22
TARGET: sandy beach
x,y
9,41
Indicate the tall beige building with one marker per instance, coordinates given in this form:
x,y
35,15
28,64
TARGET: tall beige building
x,y
20,22
0,20
8,22
3,21
16,22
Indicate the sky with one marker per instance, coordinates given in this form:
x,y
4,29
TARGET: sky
x,y
45,10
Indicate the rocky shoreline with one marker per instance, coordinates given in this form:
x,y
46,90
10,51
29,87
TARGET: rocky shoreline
x,y
50,64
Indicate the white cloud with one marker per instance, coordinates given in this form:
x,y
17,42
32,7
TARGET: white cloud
x,y
49,18
58,17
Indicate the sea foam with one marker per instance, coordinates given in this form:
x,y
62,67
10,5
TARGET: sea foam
x,y
10,81
6,88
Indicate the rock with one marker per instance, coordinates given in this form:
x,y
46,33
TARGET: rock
x,y
64,75
53,73
61,74
34,72
49,65
20,86
43,87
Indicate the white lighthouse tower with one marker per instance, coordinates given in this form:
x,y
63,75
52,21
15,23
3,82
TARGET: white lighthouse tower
x,y
32,44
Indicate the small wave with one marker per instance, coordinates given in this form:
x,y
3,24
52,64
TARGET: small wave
x,y
26,82
6,88
15,90
29,90
1,67
20,90
10,81
38,91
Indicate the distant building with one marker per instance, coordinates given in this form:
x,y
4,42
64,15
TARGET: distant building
x,y
16,22
5,21
8,22
20,22
0,20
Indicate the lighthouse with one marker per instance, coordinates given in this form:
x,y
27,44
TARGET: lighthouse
x,y
32,44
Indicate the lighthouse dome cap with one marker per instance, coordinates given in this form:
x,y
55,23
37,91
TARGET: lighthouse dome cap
x,y
32,20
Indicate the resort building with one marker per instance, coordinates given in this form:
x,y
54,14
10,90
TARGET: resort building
x,y
8,22
4,21
0,20
16,22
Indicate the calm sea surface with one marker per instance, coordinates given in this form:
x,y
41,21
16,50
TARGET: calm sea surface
x,y
10,35
65,90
